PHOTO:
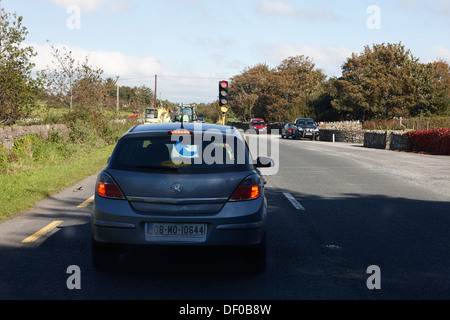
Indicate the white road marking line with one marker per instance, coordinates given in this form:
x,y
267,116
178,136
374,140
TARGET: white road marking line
x,y
42,232
294,202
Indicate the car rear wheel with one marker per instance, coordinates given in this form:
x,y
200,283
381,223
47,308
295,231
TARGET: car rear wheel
x,y
105,257
255,259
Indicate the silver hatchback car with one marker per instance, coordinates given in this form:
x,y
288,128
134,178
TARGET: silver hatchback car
x,y
180,185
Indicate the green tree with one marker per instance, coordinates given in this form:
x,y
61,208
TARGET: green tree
x,y
441,69
19,91
247,92
90,89
321,102
385,81
293,85
74,81
212,113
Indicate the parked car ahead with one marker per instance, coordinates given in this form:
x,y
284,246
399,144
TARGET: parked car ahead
x,y
259,125
168,185
306,128
288,131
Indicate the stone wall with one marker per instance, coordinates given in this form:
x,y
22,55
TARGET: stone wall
x,y
339,132
341,125
10,134
347,136
390,140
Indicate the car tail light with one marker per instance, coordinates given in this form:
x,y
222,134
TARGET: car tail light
x,y
107,187
249,189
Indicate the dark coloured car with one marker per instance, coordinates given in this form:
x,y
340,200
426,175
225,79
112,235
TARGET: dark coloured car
x,y
288,131
306,128
180,185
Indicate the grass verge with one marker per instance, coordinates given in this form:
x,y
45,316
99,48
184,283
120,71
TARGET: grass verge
x,y
21,190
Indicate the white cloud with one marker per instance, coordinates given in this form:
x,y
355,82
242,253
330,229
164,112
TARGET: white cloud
x,y
174,86
439,52
280,7
85,5
329,59
277,7
93,5
112,63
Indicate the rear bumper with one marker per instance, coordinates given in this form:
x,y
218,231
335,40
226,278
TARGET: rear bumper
x,y
237,224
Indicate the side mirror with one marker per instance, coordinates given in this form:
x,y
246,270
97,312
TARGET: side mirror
x,y
264,162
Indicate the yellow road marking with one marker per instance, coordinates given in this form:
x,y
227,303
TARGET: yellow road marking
x,y
42,232
86,203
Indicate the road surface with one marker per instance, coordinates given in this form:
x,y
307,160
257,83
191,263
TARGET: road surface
x,y
336,212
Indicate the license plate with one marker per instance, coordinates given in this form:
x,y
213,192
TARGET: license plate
x,y
194,232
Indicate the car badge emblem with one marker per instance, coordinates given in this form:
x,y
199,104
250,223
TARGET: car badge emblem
x,y
176,188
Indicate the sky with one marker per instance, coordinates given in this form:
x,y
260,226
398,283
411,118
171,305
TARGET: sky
x,y
193,44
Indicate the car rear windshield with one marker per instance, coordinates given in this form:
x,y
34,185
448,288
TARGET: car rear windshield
x,y
181,154
258,123
305,122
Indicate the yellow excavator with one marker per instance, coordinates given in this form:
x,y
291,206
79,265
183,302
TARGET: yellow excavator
x,y
157,115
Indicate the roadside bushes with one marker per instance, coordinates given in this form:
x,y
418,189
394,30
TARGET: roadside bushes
x,y
90,128
32,151
436,141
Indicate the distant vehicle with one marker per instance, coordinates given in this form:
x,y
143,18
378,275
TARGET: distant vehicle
x,y
201,120
288,131
306,128
186,113
258,125
157,115
157,191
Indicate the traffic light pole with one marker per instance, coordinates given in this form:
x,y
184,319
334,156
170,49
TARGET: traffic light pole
x,y
223,99
156,89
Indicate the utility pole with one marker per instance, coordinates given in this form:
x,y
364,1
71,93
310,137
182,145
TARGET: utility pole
x,y
156,88
1,21
117,104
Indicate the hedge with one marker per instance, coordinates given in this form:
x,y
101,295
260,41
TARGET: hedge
x,y
435,141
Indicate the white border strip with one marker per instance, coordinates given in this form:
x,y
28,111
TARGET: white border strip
x,y
294,202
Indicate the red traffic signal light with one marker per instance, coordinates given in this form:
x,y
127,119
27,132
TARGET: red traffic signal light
x,y
223,93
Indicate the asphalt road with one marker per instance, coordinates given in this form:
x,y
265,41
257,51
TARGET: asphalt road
x,y
334,211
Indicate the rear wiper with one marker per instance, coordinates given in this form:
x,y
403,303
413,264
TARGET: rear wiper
x,y
158,168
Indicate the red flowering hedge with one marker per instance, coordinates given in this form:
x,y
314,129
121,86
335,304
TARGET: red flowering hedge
x,y
436,141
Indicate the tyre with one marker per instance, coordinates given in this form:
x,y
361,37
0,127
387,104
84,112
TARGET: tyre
x,y
105,257
255,259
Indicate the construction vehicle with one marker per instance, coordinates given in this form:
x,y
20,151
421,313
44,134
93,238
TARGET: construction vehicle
x,y
157,115
186,113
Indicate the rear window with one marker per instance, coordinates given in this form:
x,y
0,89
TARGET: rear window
x,y
258,123
305,122
181,154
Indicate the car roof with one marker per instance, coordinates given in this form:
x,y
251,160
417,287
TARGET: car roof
x,y
166,127
257,119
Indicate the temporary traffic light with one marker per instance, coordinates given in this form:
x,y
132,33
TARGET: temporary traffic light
x,y
223,93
